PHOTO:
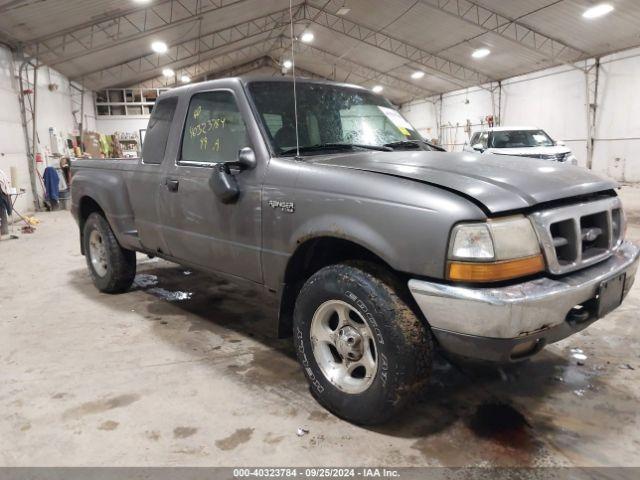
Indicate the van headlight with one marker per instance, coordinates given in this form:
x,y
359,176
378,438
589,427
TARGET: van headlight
x,y
494,251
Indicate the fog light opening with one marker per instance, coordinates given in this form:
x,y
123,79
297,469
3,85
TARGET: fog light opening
x,y
580,313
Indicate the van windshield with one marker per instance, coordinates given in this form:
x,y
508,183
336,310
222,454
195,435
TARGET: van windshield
x,y
330,117
520,138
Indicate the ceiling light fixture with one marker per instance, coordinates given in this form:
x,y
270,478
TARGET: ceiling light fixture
x,y
307,37
142,1
598,10
287,64
377,88
167,72
343,11
480,53
418,74
185,78
159,47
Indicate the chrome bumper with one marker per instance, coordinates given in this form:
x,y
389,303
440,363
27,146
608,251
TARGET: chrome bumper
x,y
521,310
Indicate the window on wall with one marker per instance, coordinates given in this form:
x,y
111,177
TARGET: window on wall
x,y
129,101
214,130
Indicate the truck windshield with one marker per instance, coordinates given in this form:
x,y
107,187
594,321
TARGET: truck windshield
x,y
330,118
520,138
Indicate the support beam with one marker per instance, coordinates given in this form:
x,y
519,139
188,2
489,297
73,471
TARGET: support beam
x,y
592,77
122,27
512,30
77,106
255,65
453,72
214,64
28,82
185,53
361,71
280,48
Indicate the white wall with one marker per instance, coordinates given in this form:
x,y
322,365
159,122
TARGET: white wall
x,y
53,110
555,99
617,148
12,143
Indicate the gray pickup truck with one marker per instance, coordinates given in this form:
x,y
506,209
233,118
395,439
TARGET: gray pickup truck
x,y
379,247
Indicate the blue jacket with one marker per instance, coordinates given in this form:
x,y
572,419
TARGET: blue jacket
x,y
51,184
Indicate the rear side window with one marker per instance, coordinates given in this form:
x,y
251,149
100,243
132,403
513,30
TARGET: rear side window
x,y
155,140
214,131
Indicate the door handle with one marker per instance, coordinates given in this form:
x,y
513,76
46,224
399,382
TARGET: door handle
x,y
172,184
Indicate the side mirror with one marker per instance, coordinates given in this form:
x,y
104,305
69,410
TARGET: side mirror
x,y
223,182
559,143
246,160
478,147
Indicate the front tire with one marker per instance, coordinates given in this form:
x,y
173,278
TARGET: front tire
x,y
364,352
112,267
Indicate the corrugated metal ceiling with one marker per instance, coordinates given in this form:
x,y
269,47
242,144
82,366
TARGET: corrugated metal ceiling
x,y
383,35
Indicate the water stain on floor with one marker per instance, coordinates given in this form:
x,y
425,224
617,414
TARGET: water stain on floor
x,y
99,406
184,432
501,423
108,425
240,436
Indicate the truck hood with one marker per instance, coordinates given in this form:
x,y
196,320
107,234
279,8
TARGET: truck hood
x,y
501,183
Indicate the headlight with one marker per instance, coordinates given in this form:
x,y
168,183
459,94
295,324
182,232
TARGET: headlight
x,y
494,251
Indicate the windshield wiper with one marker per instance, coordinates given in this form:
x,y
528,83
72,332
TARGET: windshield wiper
x,y
414,144
404,143
335,146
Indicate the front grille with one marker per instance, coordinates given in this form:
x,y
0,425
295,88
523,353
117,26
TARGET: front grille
x,y
580,235
555,157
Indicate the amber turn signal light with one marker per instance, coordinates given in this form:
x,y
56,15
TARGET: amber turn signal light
x,y
495,271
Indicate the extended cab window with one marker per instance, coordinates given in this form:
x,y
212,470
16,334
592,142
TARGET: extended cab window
x,y
214,131
155,141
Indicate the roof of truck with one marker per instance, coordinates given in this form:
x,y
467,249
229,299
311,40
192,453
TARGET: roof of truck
x,y
245,79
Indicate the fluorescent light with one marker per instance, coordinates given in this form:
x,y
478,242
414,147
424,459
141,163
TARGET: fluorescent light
x,y
185,78
598,10
287,64
480,53
142,1
377,88
418,74
167,72
159,47
307,37
343,11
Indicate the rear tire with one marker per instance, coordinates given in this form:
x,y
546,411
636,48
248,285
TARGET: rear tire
x,y
112,267
364,352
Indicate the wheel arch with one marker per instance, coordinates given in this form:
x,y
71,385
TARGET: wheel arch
x,y
309,257
86,207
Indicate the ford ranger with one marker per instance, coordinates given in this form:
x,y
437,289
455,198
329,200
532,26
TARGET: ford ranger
x,y
379,247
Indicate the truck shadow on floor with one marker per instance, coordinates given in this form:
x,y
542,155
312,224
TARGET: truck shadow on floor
x,y
469,414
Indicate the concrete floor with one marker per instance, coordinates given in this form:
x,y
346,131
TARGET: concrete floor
x,y
182,370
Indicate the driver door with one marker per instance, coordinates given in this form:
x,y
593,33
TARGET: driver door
x,y
198,228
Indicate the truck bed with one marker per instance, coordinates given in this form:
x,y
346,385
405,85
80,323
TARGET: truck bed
x,y
126,164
